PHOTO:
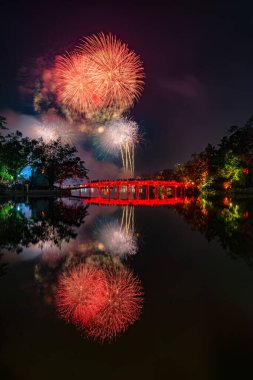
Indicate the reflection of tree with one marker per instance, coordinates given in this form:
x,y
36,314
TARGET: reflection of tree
x,y
229,222
57,222
51,221
3,266
14,228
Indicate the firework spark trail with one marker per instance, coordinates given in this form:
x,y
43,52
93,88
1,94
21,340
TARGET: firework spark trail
x,y
122,308
72,83
81,293
102,77
116,73
127,220
120,138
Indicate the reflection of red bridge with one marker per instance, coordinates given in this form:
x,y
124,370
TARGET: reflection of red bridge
x,y
135,192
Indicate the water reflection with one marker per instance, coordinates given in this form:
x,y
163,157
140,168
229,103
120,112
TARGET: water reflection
x,y
226,220
38,222
83,268
101,300
119,237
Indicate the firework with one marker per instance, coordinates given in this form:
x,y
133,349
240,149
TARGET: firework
x,y
115,73
122,307
101,79
72,83
120,137
117,240
81,293
55,129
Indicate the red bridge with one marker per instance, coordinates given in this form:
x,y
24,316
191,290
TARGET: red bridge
x,y
135,192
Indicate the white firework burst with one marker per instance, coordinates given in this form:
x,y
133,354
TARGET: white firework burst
x,y
120,137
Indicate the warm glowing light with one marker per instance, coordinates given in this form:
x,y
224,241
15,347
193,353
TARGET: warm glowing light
x,y
246,214
227,185
226,201
100,129
245,171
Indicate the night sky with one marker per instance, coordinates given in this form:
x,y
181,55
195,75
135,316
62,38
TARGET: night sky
x,y
198,60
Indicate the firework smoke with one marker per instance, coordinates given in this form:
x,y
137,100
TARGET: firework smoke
x,y
54,129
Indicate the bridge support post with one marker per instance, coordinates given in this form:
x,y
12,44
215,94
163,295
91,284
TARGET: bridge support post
x,y
156,192
127,191
118,192
109,192
137,195
147,191
165,192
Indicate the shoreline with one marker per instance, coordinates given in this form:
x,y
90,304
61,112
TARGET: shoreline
x,y
236,193
34,193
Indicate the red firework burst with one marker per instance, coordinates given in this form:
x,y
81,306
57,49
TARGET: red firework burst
x,y
80,294
72,83
102,74
115,73
122,307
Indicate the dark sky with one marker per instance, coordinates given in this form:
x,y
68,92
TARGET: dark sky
x,y
198,59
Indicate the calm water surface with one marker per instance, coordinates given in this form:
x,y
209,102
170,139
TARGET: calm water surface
x,y
183,274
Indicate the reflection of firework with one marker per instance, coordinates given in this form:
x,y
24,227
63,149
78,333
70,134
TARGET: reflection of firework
x,y
81,293
55,129
117,240
120,136
115,72
103,301
122,308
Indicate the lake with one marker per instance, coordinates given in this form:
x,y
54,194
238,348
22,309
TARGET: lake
x,y
126,292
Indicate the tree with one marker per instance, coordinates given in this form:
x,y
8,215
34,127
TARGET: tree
x,y
15,155
57,162
2,123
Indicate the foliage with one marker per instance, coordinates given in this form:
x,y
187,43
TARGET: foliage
x,y
51,221
230,164
58,162
226,220
15,154
54,160
2,123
